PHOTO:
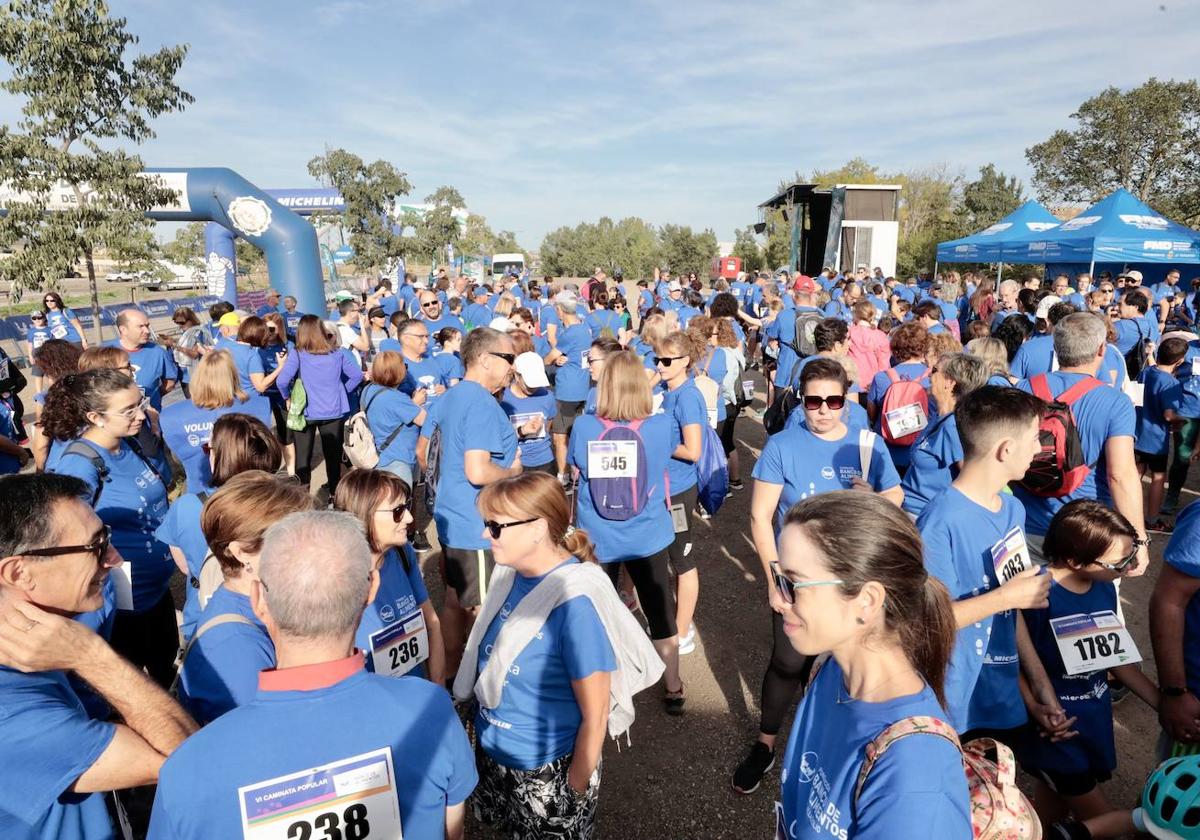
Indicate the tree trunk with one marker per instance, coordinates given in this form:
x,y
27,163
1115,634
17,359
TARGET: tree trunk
x,y
91,271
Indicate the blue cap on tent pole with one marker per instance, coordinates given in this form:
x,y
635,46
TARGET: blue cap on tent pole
x,y
987,245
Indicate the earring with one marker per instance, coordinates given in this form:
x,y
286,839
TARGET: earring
x,y
860,620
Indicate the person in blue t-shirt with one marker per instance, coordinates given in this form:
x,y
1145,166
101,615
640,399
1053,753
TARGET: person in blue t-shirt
x,y
531,407
1131,327
433,313
781,332
154,367
37,335
271,303
1175,607
96,414
821,456
62,320
540,745
59,764
12,455
477,446
1161,396
638,542
239,443
394,417
1087,548
572,340
603,321
361,731
936,455
478,313
850,582
400,633
221,661
976,544
909,344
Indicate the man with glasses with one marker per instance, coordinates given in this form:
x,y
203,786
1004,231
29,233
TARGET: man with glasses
x,y
476,445
427,377
394,748
154,368
433,314
54,558
272,304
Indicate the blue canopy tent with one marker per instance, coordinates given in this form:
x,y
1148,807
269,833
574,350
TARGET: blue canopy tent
x,y
1119,229
986,246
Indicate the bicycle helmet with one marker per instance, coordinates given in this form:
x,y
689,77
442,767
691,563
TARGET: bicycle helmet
x,y
1171,799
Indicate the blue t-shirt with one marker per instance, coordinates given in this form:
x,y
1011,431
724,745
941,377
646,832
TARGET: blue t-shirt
x,y
806,465
572,380
1162,392
390,415
916,789
1183,555
981,682
152,365
422,373
49,742
1084,696
477,315
37,336
1100,414
401,593
469,419
783,330
59,322
535,451
186,429
410,720
916,371
649,531
221,670
931,463
1129,331
603,319
538,718
247,360
133,503
685,406
181,528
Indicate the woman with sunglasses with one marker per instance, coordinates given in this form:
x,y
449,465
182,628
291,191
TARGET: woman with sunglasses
x,y
222,661
63,322
239,443
640,542
1088,548
823,455
850,581
530,405
601,351
399,632
275,348
98,414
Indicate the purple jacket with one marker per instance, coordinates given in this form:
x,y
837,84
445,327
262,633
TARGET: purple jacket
x,y
327,379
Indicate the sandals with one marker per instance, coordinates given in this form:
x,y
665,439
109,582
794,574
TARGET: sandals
x,y
673,702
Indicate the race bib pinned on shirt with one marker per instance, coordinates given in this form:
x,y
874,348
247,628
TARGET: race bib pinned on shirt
x,y
612,459
1010,556
400,647
906,419
1136,391
122,578
354,797
519,420
1095,642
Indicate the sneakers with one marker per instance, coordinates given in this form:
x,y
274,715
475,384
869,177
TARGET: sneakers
x,y
749,774
703,514
420,542
687,642
737,485
567,485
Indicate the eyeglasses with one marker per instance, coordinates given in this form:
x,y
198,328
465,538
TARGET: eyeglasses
x,y
98,546
1123,564
418,336
397,512
430,303
667,361
591,360
787,587
494,528
813,403
132,412
508,357
38,319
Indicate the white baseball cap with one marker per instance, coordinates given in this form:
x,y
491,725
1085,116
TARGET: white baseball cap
x,y
501,323
532,370
674,286
1043,310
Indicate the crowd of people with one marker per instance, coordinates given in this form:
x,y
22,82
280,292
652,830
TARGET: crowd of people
x,y
950,493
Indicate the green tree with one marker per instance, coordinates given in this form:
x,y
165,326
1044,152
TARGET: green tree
x,y
1146,140
82,89
477,236
438,227
856,171
683,251
989,198
188,244
778,248
745,248
930,199
370,192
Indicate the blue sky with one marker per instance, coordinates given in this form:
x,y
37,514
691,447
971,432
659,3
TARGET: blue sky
x,y
544,114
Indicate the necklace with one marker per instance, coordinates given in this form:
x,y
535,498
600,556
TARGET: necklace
x,y
849,698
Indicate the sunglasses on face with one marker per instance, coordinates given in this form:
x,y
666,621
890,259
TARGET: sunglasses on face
x,y
38,319
508,357
1123,564
667,361
98,546
397,512
495,528
428,304
787,587
835,402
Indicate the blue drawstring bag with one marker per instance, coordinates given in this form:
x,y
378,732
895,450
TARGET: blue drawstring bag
x,y
712,471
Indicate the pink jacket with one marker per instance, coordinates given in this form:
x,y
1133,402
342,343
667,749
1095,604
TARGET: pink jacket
x,y
871,351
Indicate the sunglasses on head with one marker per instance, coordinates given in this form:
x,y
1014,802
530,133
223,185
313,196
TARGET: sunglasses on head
x,y
835,402
495,528
397,512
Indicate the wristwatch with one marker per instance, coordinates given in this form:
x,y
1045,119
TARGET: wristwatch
x,y
1138,542
1172,691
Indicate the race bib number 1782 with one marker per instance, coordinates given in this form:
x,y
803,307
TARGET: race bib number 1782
x,y
1093,642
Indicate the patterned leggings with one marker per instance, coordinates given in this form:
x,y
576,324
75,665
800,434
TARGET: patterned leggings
x,y
534,804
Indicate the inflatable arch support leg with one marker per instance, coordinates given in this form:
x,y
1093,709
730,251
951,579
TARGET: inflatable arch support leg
x,y
213,194
220,262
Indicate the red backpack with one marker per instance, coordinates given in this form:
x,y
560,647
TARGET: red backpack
x,y
1059,469
904,411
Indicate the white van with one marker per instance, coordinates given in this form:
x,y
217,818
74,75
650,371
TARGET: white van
x,y
502,263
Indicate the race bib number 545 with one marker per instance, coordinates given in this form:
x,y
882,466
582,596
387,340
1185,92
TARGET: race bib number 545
x,y
350,799
612,459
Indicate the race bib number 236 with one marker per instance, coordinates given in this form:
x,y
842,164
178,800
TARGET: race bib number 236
x,y
350,799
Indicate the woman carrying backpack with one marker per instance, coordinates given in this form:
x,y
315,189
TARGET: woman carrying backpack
x,y
620,454
909,343
851,582
394,418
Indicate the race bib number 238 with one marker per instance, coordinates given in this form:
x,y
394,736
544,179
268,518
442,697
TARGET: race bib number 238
x,y
350,799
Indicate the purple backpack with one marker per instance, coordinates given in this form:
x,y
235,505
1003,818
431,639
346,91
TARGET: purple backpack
x,y
619,498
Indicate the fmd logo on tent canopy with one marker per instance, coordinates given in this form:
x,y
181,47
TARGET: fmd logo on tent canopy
x,y
999,227
1080,222
1038,227
1144,222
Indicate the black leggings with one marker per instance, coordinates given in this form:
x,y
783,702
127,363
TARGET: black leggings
x,y
652,579
787,672
331,447
149,639
732,410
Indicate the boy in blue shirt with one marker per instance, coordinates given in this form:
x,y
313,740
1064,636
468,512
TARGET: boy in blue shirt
x,y
1161,394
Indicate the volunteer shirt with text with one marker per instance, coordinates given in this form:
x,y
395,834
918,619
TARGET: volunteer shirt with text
x,y
538,718
959,535
152,365
312,717
401,593
186,428
917,788
49,741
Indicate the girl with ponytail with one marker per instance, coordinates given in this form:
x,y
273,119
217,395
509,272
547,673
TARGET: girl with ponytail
x,y
851,574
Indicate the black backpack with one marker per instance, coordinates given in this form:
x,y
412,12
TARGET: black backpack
x,y
804,343
1137,356
433,467
786,400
